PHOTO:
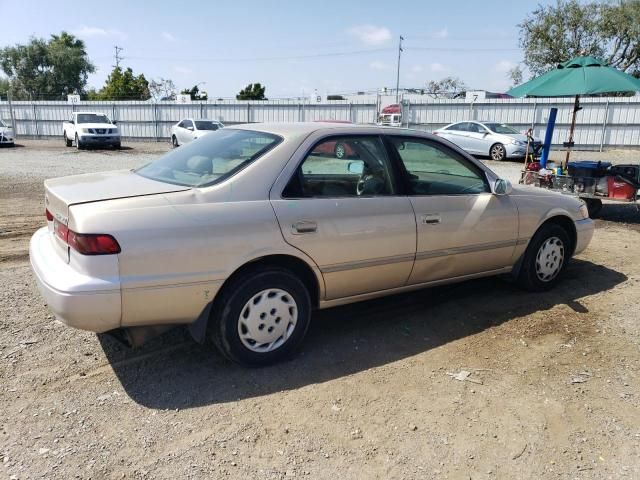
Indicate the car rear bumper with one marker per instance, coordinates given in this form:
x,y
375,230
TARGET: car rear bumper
x,y
76,299
584,231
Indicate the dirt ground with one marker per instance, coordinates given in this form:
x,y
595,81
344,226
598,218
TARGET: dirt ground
x,y
553,390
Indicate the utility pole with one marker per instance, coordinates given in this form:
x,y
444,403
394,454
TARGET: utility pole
x,y
398,72
117,56
13,120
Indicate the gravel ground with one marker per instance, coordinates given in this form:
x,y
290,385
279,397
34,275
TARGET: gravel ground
x,y
554,390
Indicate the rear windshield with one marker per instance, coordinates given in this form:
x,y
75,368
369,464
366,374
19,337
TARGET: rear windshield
x,y
501,128
205,125
210,160
92,118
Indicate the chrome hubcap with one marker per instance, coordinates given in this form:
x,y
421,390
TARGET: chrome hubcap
x,y
267,320
340,151
497,152
549,259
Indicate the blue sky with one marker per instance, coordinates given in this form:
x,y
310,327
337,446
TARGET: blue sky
x,y
290,46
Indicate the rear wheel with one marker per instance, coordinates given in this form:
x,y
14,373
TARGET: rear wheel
x,y
261,317
498,152
545,258
174,142
67,142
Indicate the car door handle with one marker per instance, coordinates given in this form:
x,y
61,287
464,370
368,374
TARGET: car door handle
x,y
431,218
304,226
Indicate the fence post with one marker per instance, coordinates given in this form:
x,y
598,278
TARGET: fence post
x,y
604,124
155,121
533,117
13,121
35,119
351,112
248,112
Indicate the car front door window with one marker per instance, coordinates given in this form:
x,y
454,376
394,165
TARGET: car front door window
x,y
436,170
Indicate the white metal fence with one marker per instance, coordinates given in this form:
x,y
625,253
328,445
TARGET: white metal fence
x,y
603,121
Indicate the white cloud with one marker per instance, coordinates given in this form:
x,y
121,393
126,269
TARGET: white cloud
x,y
183,70
442,33
370,34
417,68
438,68
168,37
377,65
504,66
89,32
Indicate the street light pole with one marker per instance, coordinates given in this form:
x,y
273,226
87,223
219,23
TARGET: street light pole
x,y
398,71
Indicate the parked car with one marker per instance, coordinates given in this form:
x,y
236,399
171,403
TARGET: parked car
x,y
6,134
243,233
497,140
189,129
86,129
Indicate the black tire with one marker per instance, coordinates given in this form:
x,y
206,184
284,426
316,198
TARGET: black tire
x,y
174,141
535,262
67,142
497,152
340,150
594,206
79,145
238,298
117,146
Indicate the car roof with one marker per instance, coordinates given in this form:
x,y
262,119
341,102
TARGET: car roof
x,y
90,113
297,128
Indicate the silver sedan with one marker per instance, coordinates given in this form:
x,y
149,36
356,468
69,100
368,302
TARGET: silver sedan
x,y
241,234
497,140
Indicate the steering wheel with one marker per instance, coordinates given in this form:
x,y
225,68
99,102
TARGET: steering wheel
x,y
370,182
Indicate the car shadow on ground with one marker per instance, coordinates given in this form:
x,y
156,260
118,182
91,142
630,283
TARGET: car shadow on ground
x,y
173,371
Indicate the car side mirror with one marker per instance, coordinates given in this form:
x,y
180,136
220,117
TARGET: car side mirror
x,y
190,128
401,146
355,167
115,122
502,186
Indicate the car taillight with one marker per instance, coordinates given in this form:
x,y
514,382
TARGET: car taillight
x,y
87,243
48,215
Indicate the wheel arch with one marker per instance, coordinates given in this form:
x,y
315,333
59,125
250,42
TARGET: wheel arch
x,y
559,219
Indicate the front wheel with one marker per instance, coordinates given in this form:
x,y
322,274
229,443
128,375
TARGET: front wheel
x,y
340,150
67,142
174,142
545,258
261,317
79,145
498,152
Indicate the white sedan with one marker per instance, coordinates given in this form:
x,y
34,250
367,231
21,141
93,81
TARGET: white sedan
x,y
189,129
6,134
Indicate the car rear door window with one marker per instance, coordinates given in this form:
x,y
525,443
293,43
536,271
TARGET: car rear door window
x,y
434,169
343,167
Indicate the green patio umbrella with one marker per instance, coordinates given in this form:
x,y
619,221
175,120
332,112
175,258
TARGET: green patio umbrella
x,y
578,76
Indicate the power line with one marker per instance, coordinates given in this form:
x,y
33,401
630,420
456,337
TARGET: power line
x,y
269,59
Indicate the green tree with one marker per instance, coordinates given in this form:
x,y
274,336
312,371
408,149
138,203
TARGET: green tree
x,y
48,69
253,91
553,34
448,87
195,93
123,85
163,88
4,88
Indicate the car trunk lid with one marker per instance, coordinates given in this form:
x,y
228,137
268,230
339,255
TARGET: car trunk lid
x,y
62,193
